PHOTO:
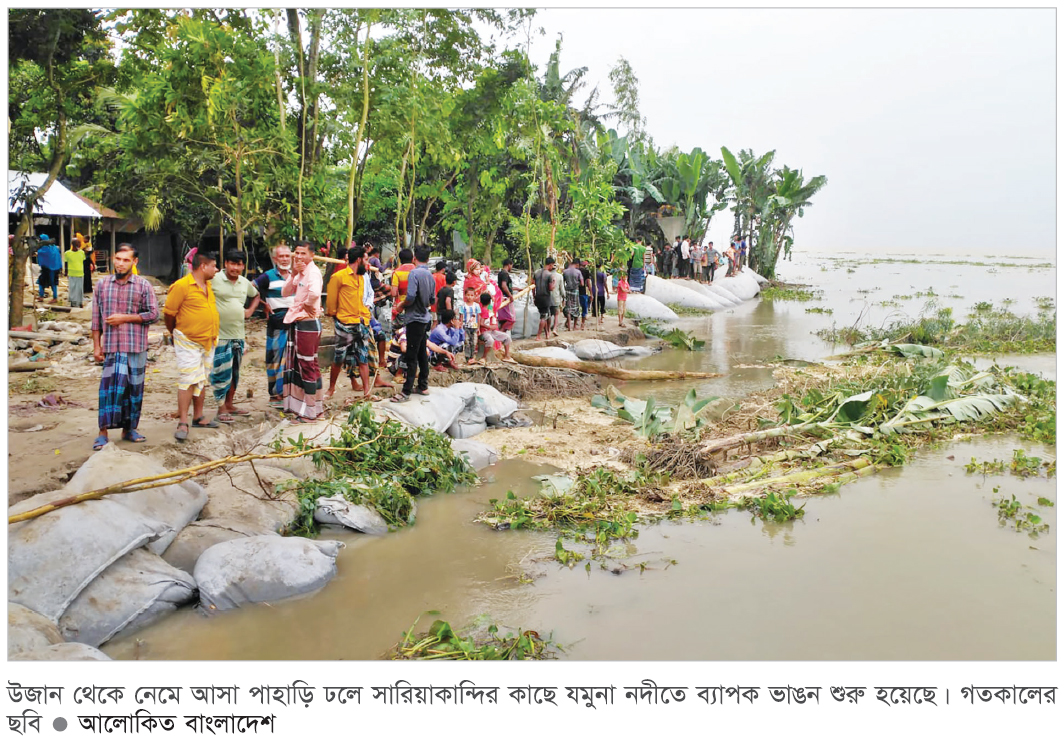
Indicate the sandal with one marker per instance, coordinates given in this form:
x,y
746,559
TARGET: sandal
x,y
199,424
238,412
133,436
399,397
99,443
304,419
423,391
181,433
225,417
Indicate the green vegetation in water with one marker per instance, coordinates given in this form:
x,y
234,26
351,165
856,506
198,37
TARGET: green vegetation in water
x,y
789,293
987,330
775,507
818,310
1021,465
387,466
1021,516
442,642
687,311
675,337
650,420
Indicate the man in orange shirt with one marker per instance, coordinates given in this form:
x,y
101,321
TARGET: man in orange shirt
x,y
191,316
399,283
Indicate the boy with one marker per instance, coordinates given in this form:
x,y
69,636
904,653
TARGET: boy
x,y
449,337
445,297
397,354
489,329
469,311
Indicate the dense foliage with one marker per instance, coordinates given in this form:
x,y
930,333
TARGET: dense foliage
x,y
406,126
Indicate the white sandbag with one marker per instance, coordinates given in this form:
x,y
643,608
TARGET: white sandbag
x,y
668,292
726,297
318,433
55,556
642,306
466,430
197,537
28,630
470,422
478,454
132,593
437,411
714,300
175,505
742,286
759,278
263,569
67,651
597,350
251,500
496,405
552,351
336,510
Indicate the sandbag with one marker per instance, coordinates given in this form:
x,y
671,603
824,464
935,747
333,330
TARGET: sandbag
x,y
197,537
470,422
319,433
478,454
552,351
336,510
28,630
759,278
668,292
743,285
132,593
263,569
175,505
712,298
597,350
251,500
496,405
69,651
642,306
55,556
437,411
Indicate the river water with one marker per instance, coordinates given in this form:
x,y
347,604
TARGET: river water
x,y
908,564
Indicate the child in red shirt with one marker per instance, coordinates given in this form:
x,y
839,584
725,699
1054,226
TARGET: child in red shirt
x,y
622,299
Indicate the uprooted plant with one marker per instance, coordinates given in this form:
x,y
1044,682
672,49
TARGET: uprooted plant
x,y
366,467
476,642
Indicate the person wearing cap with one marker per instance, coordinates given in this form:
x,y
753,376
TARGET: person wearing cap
x,y
51,261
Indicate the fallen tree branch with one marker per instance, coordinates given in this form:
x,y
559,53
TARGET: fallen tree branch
x,y
53,336
710,449
28,365
869,349
177,476
605,370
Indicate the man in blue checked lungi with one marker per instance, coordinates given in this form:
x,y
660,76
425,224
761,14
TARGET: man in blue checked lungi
x,y
123,306
231,292
269,286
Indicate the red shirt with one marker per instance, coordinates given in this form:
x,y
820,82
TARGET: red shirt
x,y
441,281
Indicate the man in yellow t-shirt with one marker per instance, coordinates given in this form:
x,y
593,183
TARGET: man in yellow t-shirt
x,y
348,300
74,265
191,316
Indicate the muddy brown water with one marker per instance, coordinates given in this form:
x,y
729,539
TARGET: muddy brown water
x,y
908,564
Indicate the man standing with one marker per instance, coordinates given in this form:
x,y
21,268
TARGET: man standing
x,y
636,271
269,286
123,307
399,283
302,376
420,287
544,284
685,258
648,261
585,292
231,291
696,262
51,262
507,313
712,259
572,278
191,316
557,300
348,301
74,261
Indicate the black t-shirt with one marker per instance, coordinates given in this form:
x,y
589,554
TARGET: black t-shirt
x,y
543,279
586,272
447,292
506,284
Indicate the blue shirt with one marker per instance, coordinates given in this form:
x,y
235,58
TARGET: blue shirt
x,y
445,335
269,285
420,290
49,257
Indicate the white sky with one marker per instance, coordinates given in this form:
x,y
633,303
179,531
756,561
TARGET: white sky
x,y
936,128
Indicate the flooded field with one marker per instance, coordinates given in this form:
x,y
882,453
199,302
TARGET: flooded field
x,y
910,564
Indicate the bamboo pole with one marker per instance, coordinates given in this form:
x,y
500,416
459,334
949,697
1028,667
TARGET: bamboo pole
x,y
709,449
804,476
596,367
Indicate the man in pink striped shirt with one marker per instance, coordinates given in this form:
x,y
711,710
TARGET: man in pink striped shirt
x,y
302,376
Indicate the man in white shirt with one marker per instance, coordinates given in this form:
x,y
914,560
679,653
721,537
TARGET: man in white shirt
x,y
685,258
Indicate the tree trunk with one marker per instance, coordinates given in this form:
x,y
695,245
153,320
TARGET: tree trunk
x,y
297,42
613,372
311,139
358,136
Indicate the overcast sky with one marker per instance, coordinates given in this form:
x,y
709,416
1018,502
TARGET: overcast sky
x,y
936,128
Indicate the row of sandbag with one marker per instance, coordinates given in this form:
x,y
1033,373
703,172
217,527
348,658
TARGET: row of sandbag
x,y
725,293
462,410
112,566
590,350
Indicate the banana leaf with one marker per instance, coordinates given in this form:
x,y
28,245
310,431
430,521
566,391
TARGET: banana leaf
x,y
687,413
554,485
853,408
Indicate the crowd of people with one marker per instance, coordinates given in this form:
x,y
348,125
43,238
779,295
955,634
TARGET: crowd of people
x,y
392,322
404,320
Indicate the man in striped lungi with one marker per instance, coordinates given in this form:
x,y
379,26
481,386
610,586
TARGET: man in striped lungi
x,y
269,286
302,376
231,291
122,308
